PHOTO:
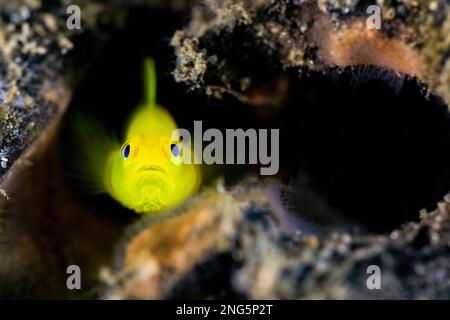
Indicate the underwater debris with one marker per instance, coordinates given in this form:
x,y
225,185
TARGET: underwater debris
x,y
37,72
38,75
229,244
310,35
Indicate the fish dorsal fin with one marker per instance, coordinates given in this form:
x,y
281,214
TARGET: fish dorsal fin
x,y
150,81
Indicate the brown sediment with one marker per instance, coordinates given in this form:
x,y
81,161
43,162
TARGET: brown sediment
x,y
164,248
229,244
314,35
355,44
154,259
40,218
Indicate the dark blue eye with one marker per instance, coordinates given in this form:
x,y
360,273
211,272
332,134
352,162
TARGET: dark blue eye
x,y
126,151
176,151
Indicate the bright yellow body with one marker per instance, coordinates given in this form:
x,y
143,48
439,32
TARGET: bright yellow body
x,y
141,173
149,180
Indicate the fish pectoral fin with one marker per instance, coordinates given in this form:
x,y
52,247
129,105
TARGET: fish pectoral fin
x,y
93,146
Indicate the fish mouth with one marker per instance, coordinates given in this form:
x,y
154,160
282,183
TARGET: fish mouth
x,y
153,175
151,189
152,169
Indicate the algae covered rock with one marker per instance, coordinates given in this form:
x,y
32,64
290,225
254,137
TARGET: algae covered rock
x,y
309,35
39,71
230,244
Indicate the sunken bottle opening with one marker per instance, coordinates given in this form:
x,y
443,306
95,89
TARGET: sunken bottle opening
x,y
360,146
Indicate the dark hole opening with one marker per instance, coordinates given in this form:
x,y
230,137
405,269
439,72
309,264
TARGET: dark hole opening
x,y
369,143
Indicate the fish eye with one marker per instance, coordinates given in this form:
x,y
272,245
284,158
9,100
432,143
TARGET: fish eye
x,y
175,149
126,151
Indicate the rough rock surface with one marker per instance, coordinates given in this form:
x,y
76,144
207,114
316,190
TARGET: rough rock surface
x,y
38,75
310,35
229,244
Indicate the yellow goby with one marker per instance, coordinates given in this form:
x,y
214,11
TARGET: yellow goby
x,y
145,172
